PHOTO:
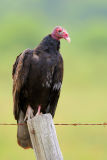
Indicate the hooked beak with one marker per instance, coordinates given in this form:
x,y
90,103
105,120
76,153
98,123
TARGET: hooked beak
x,y
68,39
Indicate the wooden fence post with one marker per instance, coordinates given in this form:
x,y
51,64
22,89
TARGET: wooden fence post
x,y
44,139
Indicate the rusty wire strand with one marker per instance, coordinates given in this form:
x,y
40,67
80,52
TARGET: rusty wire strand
x,y
59,124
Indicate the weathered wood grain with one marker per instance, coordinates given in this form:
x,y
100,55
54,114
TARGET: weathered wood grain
x,y
44,139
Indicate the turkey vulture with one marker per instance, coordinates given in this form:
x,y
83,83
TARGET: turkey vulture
x,y
37,79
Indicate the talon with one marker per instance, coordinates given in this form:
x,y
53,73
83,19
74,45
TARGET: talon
x,y
25,118
29,113
38,112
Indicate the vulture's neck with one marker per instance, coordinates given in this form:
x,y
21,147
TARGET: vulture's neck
x,y
49,44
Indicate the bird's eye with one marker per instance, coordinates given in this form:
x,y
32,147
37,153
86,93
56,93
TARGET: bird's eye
x,y
59,31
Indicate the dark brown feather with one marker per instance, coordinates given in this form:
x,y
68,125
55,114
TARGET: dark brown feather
x,y
37,78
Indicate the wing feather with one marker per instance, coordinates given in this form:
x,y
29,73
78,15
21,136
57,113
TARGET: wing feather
x,y
20,74
56,87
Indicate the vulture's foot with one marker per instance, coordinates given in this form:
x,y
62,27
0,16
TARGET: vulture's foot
x,y
38,112
29,113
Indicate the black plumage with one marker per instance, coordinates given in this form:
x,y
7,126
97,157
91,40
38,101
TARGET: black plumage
x,y
37,79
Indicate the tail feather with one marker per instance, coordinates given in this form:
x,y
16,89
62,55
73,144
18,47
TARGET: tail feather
x,y
23,136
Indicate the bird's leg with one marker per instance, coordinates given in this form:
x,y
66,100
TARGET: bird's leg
x,y
29,113
38,112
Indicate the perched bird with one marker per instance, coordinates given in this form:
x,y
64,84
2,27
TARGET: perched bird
x,y
37,79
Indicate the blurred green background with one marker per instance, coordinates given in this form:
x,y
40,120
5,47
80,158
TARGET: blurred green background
x,y
23,24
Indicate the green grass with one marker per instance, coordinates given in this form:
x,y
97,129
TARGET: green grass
x,y
83,99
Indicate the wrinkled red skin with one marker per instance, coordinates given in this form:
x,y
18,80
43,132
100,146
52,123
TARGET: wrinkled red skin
x,y
59,33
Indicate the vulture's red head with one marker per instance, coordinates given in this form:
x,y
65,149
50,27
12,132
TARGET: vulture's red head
x,y
59,33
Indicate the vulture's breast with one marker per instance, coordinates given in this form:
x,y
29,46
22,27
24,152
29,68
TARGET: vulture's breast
x,y
40,78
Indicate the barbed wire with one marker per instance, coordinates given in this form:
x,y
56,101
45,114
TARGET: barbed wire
x,y
59,124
